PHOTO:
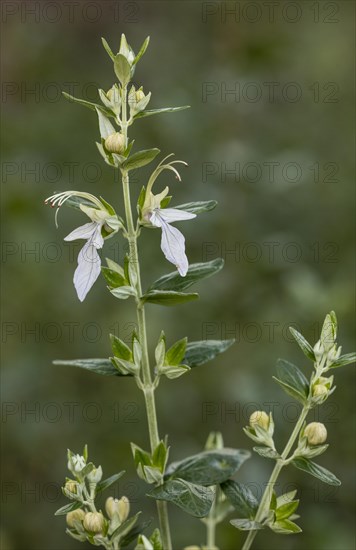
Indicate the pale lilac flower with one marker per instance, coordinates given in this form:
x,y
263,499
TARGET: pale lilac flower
x,y
89,262
173,241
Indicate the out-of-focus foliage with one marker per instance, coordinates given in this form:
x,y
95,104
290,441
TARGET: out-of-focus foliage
x,y
269,137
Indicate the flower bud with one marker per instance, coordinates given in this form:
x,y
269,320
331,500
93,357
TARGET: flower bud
x,y
95,475
319,389
114,506
115,143
76,463
75,515
139,95
214,441
71,486
259,418
110,94
316,433
94,522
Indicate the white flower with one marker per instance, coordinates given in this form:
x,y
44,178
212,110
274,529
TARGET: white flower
x,y
172,242
89,262
77,463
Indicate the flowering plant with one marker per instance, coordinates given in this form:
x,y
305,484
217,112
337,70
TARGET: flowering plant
x,y
201,485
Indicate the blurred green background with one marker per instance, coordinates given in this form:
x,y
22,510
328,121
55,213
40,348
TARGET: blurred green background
x,y
268,135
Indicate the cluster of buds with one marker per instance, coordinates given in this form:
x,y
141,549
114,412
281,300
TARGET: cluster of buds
x,y
84,521
261,428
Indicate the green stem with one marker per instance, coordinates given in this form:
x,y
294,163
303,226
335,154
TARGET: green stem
x,y
210,534
267,495
148,387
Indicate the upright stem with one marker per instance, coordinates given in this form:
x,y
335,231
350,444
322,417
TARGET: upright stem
x,y
148,388
267,495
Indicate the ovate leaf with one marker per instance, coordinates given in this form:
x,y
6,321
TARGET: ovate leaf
x,y
173,281
168,298
141,158
209,467
241,497
198,353
292,380
151,112
106,483
315,470
196,500
99,366
303,344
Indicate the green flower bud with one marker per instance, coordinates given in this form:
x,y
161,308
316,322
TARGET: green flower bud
x,y
260,418
71,486
75,515
139,95
95,475
319,389
121,508
115,143
316,433
214,441
110,94
94,522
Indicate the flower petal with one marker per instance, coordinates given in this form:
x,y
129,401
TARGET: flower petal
x,y
173,247
85,231
97,238
88,270
170,215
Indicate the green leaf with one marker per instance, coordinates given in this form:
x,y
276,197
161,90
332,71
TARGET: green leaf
x,y
115,267
151,112
156,540
122,69
344,360
113,278
89,104
198,353
197,207
67,508
108,49
196,500
141,158
160,456
287,497
267,452
123,292
292,380
174,371
105,126
168,298
315,470
241,497
246,524
209,467
286,510
175,354
125,527
106,483
303,344
120,349
173,281
142,50
99,366
285,527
